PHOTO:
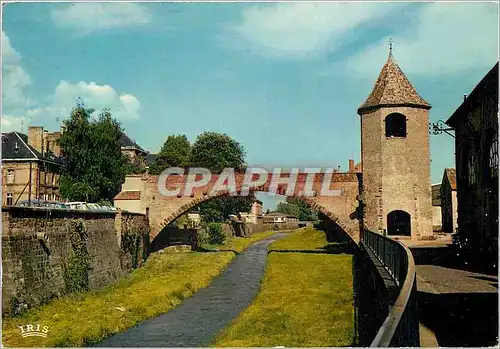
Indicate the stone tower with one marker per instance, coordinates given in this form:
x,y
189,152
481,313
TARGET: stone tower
x,y
395,157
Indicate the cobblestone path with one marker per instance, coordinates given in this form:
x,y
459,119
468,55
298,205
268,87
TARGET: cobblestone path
x,y
195,322
457,307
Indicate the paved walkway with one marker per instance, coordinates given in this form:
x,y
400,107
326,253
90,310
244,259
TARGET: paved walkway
x,y
457,307
195,322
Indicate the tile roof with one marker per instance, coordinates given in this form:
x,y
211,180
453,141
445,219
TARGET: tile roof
x,y
393,89
451,175
128,195
15,147
126,142
150,159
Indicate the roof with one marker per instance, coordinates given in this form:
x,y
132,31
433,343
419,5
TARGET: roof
x,y
490,79
126,142
393,89
15,147
150,159
128,195
451,175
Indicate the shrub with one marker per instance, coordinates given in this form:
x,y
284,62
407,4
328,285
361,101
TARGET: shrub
x,y
215,234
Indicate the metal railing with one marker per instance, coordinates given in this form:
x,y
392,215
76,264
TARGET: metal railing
x,y
400,328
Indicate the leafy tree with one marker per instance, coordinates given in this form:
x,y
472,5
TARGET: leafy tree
x,y
219,209
216,151
95,166
175,152
298,208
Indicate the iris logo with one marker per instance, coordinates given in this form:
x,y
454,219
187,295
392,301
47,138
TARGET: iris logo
x,y
34,330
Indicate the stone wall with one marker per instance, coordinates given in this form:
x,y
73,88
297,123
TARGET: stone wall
x,y
47,253
396,171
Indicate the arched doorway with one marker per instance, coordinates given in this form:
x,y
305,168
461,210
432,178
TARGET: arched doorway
x,y
399,223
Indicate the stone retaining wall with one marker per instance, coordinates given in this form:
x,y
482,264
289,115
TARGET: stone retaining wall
x,y
47,253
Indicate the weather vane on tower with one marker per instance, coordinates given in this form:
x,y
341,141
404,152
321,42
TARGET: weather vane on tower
x,y
390,46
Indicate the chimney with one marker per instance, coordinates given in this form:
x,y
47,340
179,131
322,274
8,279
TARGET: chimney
x,y
35,137
351,165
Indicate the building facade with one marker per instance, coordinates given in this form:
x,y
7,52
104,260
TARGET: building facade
x,y
30,170
437,223
395,157
476,158
449,206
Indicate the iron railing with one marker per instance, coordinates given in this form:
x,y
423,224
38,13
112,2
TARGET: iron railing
x,y
400,328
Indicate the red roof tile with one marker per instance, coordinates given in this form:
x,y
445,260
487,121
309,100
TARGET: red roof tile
x,y
129,195
393,88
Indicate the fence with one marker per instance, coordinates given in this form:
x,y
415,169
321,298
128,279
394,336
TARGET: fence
x,y
400,328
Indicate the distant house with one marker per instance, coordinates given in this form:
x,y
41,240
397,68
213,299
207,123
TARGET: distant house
x,y
150,160
30,166
133,150
476,158
278,217
449,206
437,224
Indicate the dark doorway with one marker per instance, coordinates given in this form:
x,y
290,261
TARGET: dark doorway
x,y
399,223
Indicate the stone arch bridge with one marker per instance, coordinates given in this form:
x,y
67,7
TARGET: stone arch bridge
x,y
140,193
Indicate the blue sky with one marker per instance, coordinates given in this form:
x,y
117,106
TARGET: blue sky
x,y
284,79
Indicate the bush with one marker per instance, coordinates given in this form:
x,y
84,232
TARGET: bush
x,y
202,236
215,234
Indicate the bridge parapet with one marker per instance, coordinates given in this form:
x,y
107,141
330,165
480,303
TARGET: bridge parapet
x,y
400,328
143,194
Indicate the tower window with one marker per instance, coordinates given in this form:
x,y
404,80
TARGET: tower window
x,y
395,125
399,223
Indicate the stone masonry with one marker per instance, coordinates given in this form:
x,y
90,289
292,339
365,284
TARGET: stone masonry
x,y
396,170
163,210
36,247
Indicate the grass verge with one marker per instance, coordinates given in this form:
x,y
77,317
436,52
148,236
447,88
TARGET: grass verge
x,y
78,320
306,299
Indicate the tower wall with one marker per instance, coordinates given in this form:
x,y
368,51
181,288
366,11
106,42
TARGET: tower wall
x,y
396,171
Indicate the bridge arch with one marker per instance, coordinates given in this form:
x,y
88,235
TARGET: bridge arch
x,y
163,210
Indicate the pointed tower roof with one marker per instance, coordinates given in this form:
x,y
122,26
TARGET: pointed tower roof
x,y
393,89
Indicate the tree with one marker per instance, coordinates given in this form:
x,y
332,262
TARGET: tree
x,y
95,166
175,152
298,208
219,209
216,151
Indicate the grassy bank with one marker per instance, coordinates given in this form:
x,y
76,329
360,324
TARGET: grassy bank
x,y
160,285
306,299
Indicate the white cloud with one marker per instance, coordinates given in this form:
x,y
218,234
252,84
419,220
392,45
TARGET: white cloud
x,y
14,80
98,97
448,38
300,29
87,18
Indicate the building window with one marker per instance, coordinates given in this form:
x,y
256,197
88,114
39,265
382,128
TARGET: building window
x,y
471,169
10,176
493,157
395,125
399,223
10,199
